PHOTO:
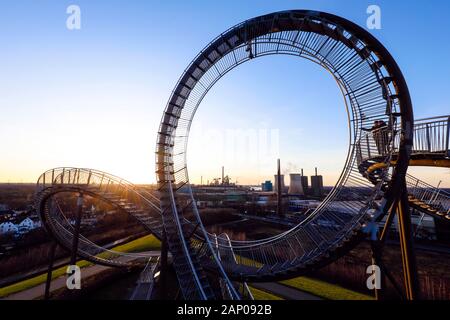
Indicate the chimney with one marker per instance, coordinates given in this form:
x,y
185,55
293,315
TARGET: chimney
x,y
317,185
280,188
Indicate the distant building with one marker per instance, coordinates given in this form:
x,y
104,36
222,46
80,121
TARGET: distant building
x,y
27,225
8,228
234,196
295,185
317,185
297,204
305,184
262,200
267,186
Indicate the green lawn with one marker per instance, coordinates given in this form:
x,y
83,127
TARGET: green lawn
x,y
316,287
324,290
146,243
263,295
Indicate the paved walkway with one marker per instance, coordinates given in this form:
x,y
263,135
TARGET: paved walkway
x,y
58,263
37,292
60,282
283,291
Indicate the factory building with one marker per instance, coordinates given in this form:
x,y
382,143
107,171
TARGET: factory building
x,y
305,183
267,186
295,185
317,185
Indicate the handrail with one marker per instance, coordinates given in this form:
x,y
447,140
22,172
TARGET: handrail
x,y
244,284
206,236
122,182
431,135
183,242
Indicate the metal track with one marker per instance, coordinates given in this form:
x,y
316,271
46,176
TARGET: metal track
x,y
373,88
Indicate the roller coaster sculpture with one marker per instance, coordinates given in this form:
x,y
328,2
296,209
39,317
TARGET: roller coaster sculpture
x,y
373,184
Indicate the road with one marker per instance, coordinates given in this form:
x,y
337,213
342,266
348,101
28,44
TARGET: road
x,y
58,263
37,292
283,291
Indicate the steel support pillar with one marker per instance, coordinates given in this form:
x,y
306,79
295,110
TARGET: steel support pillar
x,y
410,274
377,255
376,246
50,270
76,232
164,267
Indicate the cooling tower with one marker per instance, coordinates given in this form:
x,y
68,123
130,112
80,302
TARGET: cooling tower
x,y
296,186
276,183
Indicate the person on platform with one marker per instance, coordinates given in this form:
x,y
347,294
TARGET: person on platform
x,y
381,136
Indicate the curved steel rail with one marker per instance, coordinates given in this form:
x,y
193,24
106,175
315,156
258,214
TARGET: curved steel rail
x,y
113,190
422,196
373,89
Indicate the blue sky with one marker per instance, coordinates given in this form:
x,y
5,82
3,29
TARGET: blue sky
x,y
94,97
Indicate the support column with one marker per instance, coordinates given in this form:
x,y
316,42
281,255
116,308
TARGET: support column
x,y
76,232
164,267
410,274
50,270
376,246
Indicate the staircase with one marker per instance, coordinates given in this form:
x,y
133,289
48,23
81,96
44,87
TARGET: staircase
x,y
226,255
192,278
146,282
119,193
431,142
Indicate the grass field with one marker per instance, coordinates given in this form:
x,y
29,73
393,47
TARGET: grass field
x,y
324,289
146,243
263,295
316,287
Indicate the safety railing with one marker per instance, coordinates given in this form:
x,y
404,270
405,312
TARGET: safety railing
x,y
225,252
96,183
431,136
63,231
98,179
435,197
145,283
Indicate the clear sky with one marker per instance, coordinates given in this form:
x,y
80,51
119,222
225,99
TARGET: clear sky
x,y
94,97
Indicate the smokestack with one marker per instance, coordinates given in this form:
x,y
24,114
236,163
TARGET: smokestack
x,y
276,182
279,189
223,174
302,172
317,185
